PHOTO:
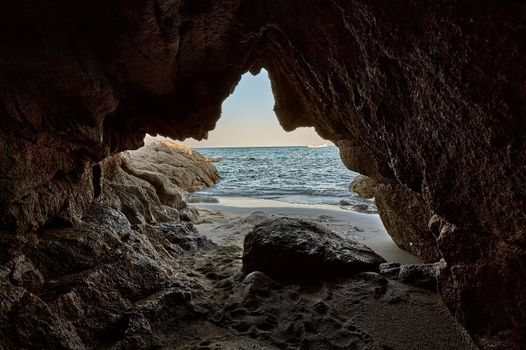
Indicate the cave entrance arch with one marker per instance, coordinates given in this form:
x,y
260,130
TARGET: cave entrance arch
x,y
248,119
296,176
260,161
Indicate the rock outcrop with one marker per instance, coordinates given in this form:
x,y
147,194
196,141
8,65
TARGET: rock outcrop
x,y
167,162
94,285
420,275
97,283
297,250
426,95
364,186
148,184
406,217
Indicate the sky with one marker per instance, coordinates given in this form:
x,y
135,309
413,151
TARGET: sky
x,y
248,119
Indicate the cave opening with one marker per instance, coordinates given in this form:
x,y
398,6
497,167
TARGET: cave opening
x,y
248,119
263,166
276,196
259,159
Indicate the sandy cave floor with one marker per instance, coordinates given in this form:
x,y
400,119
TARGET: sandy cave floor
x,y
367,311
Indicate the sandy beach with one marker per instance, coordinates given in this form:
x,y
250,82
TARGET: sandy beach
x,y
229,310
217,220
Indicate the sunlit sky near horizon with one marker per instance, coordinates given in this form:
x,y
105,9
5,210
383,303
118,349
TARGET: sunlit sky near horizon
x,y
248,119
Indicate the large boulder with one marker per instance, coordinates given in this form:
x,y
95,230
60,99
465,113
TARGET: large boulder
x,y
294,249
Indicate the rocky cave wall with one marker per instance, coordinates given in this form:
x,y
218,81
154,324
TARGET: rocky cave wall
x,y
426,96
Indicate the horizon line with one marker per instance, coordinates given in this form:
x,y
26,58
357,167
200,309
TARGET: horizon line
x,y
257,146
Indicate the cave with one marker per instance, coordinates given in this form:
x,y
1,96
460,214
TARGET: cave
x,y
427,99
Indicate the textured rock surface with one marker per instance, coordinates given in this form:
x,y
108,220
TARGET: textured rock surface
x,y
183,235
137,198
89,286
432,95
406,217
420,275
99,282
364,186
148,184
296,250
167,162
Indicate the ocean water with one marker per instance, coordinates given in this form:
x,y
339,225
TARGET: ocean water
x,y
289,174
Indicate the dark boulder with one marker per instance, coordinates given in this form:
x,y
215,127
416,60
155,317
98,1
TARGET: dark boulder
x,y
184,235
294,249
419,275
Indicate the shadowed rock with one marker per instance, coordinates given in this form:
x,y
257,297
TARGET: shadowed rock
x,y
406,216
184,235
81,287
97,283
257,283
420,275
294,249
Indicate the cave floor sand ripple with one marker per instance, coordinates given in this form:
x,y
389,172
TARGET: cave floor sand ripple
x,y
231,311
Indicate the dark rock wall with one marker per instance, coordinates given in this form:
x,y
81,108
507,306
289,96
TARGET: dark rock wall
x,y
406,217
432,94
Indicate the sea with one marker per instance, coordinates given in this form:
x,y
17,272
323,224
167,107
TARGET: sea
x,y
296,174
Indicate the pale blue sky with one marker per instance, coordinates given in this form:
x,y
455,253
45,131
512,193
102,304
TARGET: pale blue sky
x,y
248,119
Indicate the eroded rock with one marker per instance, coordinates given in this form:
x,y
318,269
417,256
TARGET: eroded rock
x,y
295,250
100,282
364,186
22,273
92,279
168,163
420,275
184,235
148,184
406,216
